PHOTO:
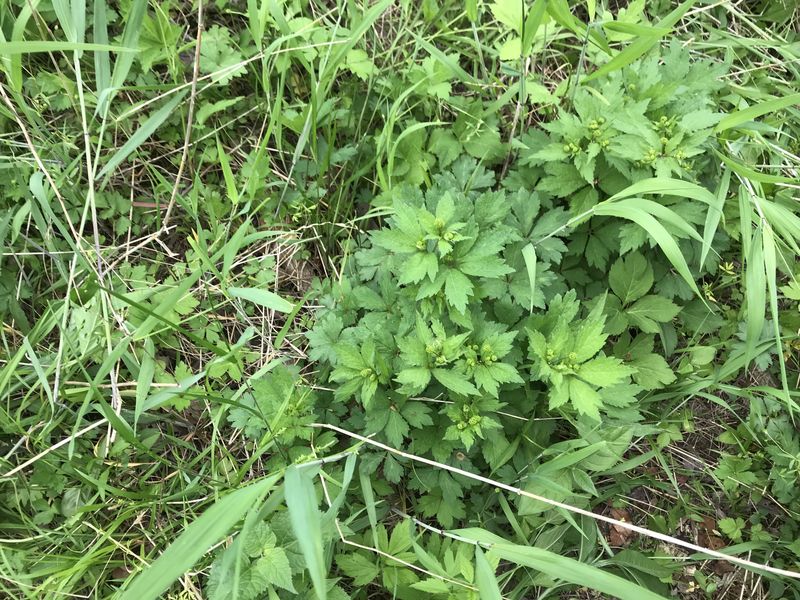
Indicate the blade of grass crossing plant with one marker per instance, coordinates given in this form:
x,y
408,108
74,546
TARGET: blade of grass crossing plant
x,y
630,211
102,59
440,56
485,578
205,531
349,469
306,523
753,112
641,44
755,294
560,12
144,380
32,47
531,25
141,135
17,33
63,12
572,571
401,137
714,214
529,255
124,62
667,186
227,173
369,503
263,298
751,174
668,216
770,266
341,50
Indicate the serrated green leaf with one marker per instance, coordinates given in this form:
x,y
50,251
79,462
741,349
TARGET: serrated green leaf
x,y
631,277
454,381
604,371
646,313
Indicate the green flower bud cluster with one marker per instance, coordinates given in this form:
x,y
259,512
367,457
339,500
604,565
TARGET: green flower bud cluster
x,y
434,350
469,418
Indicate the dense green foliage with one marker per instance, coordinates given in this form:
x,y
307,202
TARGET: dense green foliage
x,y
399,299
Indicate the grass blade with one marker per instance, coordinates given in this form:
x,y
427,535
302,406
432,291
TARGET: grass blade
x,y
141,135
529,255
714,214
102,61
753,112
194,542
625,209
307,525
263,298
560,567
31,47
642,44
484,577
755,294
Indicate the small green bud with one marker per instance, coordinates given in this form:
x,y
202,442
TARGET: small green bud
x,y
566,148
420,244
664,140
572,356
601,120
449,236
461,425
373,377
474,420
438,223
494,357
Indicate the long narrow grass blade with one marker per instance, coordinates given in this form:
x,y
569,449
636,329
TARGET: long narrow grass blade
x,y
642,44
141,135
196,539
755,294
307,525
529,255
714,214
484,577
631,211
102,59
263,298
31,47
573,571
753,112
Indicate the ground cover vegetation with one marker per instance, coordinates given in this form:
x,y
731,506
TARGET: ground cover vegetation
x,y
412,299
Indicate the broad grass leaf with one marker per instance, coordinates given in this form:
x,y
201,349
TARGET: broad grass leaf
x,y
573,571
626,209
141,135
757,110
307,525
755,280
642,44
205,531
263,298
485,578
